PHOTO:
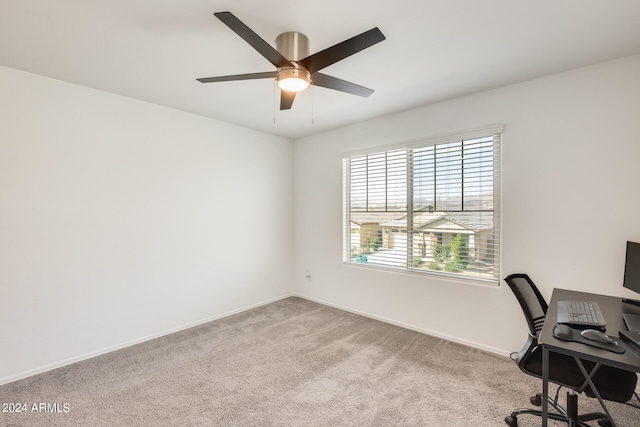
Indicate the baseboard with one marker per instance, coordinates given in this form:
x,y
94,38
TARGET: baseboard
x,y
468,343
91,354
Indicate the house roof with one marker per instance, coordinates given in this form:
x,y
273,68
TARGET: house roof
x,y
474,221
360,218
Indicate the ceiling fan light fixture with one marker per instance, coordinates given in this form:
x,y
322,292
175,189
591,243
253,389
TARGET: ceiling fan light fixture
x,y
293,79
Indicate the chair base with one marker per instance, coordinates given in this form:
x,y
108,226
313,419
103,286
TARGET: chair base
x,y
569,416
512,420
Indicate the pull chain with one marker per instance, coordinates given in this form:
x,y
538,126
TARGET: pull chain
x,y
275,97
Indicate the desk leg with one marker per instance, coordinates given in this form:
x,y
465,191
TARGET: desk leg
x,y
545,385
589,379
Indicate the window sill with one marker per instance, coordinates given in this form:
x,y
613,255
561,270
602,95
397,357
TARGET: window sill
x,y
425,274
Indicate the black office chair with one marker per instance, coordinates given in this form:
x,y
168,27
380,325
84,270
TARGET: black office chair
x,y
612,383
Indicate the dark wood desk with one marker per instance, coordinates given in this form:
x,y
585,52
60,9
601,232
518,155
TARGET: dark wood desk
x,y
612,309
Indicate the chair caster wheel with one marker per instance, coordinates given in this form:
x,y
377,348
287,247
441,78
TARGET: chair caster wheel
x,y
536,400
603,422
511,421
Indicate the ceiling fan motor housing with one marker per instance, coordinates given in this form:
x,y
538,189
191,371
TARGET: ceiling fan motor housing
x,y
292,45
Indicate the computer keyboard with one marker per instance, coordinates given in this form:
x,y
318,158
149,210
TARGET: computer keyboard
x,y
580,313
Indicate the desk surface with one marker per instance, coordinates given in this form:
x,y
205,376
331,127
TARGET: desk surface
x,y
612,309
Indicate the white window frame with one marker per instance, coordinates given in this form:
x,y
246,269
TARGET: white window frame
x,y
494,131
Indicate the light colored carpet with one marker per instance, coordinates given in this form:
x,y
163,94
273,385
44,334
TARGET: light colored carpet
x,y
289,363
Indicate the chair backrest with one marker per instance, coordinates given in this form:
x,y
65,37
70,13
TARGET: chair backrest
x,y
533,304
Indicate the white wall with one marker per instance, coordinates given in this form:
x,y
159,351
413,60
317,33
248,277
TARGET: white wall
x,y
122,220
571,171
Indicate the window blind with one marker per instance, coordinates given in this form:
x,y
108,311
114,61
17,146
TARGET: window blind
x,y
430,207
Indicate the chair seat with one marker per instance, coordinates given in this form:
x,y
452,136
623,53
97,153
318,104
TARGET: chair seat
x,y
613,384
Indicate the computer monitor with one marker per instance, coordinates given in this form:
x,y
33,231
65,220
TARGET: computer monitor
x,y
632,267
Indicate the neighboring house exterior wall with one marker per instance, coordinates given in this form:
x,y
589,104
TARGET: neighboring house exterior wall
x,y
432,229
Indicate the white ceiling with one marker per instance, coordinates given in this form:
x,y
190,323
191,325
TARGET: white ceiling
x,y
153,50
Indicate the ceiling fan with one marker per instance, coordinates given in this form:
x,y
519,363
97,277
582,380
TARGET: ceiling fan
x,y
296,69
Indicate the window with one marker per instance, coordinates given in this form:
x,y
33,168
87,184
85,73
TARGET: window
x,y
429,207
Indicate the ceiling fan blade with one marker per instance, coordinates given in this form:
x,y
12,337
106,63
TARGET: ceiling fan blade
x,y
286,99
335,53
335,83
250,76
257,42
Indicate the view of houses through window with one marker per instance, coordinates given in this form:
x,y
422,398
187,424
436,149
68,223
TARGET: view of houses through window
x,y
431,208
